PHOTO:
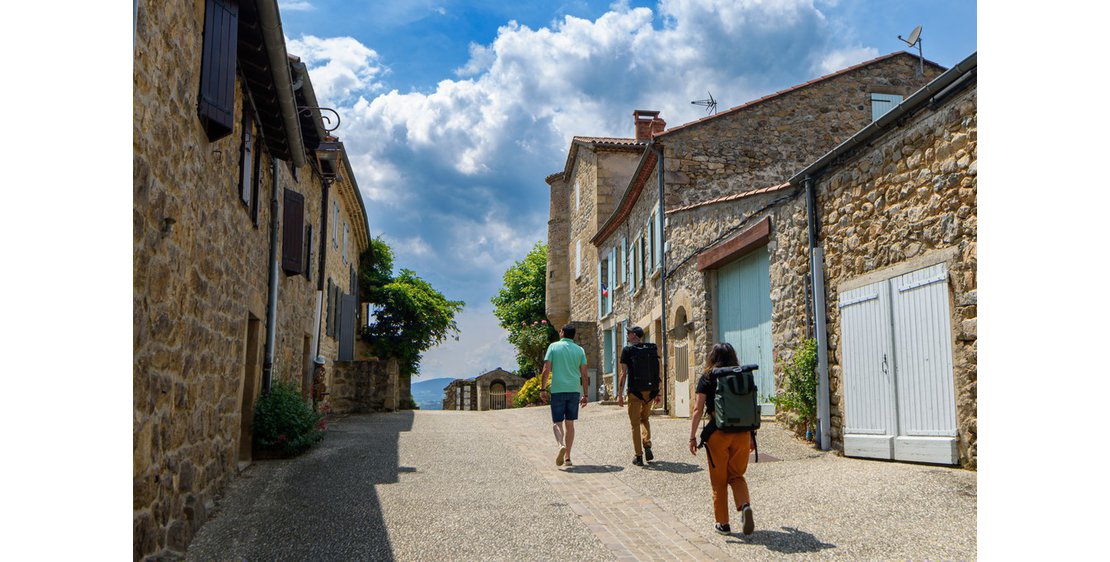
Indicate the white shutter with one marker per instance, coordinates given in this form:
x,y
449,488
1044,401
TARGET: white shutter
x,y
869,400
882,103
612,278
624,261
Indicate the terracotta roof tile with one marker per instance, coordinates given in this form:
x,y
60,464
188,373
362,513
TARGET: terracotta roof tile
x,y
733,197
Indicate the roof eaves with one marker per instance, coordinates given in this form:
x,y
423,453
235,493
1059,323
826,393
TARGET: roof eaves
x,y
733,197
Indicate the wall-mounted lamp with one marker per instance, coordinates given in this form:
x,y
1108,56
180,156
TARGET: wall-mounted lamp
x,y
329,152
328,156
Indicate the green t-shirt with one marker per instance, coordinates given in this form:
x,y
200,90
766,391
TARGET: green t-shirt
x,y
565,356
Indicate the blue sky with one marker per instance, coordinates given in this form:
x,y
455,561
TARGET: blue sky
x,y
455,111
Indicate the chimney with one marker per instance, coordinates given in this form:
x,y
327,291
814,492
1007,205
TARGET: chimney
x,y
647,124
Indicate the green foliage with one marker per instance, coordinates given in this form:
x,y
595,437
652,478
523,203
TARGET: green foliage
x,y
799,392
529,393
411,317
284,421
375,269
520,308
408,403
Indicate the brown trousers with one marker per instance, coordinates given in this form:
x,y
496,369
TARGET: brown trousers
x,y
728,460
639,412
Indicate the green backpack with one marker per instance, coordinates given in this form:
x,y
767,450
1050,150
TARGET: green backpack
x,y
735,408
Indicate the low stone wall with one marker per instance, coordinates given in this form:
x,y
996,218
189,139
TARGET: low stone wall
x,y
364,386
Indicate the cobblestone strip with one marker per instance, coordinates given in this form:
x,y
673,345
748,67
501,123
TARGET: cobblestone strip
x,y
631,526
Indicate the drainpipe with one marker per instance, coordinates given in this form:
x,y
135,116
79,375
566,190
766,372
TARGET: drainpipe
x,y
663,267
271,303
817,272
323,265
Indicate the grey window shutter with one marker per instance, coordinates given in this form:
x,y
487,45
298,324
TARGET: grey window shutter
x,y
216,102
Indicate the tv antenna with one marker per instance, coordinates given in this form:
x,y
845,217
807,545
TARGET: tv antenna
x,y
915,39
710,104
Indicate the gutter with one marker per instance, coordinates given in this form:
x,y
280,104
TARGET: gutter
x,y
271,302
274,37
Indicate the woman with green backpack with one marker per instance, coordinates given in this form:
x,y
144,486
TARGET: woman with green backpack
x,y
726,451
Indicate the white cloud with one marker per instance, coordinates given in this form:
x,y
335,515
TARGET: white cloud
x,y
482,346
295,6
844,58
351,68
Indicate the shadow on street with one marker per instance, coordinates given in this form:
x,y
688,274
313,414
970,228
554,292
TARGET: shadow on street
x,y
673,467
791,541
592,469
319,506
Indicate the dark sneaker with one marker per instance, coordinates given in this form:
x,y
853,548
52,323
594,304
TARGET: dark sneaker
x,y
722,528
647,453
746,516
562,455
638,460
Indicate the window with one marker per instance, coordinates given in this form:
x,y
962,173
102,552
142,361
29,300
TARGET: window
x,y
643,258
577,195
622,273
216,102
630,266
292,228
651,241
883,103
605,285
335,225
607,345
577,259
246,157
346,229
329,326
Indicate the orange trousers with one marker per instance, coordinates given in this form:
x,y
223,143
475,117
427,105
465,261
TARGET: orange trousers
x,y
639,414
727,455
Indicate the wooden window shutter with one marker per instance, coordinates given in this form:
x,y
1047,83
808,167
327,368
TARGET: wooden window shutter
x,y
256,182
216,103
292,246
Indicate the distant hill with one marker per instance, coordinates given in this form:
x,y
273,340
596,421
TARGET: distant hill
x,y
428,394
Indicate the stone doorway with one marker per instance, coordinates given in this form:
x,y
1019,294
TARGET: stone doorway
x,y
250,384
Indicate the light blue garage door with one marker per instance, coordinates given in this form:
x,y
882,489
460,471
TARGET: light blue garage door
x,y
744,317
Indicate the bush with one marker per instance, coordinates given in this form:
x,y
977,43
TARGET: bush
x,y
799,392
284,422
529,393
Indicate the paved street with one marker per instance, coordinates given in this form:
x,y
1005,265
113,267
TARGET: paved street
x,y
433,485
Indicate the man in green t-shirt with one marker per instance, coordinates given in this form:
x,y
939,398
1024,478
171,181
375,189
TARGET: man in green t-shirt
x,y
566,362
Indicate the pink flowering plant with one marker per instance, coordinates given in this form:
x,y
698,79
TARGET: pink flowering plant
x,y
285,422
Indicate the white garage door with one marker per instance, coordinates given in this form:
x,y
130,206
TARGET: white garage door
x,y
897,351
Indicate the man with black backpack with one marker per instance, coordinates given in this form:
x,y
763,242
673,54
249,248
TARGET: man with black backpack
x,y
640,367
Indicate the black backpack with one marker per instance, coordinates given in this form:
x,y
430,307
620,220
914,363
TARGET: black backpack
x,y
643,373
735,406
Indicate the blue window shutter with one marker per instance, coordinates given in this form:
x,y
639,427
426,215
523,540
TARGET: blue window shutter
x,y
882,103
600,310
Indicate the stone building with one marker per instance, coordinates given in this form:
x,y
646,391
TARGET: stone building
x,y
582,196
735,151
230,202
895,218
493,390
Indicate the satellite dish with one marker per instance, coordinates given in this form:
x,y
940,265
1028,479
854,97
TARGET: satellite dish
x,y
915,39
914,36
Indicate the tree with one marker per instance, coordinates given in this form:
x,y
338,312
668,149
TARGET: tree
x,y
411,316
521,304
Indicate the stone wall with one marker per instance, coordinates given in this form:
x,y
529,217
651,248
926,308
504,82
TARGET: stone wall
x,y
768,141
360,387
557,293
693,231
200,276
910,195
